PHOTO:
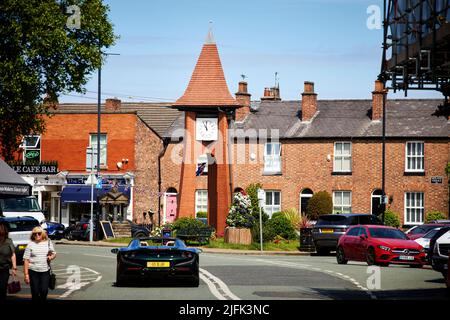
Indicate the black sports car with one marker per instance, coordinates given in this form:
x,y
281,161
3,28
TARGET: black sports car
x,y
152,258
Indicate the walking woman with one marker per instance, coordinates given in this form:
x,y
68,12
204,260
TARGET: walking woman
x,y
7,260
36,259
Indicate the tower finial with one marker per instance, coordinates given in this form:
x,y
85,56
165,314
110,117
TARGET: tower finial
x,y
210,37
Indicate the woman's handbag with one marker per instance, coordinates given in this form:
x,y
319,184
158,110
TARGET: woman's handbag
x,y
52,280
52,276
14,286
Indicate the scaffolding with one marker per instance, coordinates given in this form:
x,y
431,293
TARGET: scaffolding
x,y
416,45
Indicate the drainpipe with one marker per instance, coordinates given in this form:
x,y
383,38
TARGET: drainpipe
x,y
160,155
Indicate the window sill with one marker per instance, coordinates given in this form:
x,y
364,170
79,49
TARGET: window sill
x,y
414,173
272,173
338,173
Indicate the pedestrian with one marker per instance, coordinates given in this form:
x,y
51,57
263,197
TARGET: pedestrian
x,y
36,263
7,260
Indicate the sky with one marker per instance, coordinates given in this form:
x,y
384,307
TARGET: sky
x,y
324,41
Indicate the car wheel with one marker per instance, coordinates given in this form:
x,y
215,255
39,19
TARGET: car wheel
x,y
370,256
195,281
340,256
140,235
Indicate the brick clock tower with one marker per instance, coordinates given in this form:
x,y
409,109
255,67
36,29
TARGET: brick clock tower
x,y
208,106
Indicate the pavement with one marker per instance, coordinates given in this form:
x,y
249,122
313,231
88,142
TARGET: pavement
x,y
204,249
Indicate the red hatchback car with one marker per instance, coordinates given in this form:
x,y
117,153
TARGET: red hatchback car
x,y
380,245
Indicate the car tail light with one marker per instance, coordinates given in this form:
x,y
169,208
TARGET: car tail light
x,y
186,254
340,229
85,226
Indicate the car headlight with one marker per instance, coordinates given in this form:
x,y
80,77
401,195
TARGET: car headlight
x,y
384,248
422,250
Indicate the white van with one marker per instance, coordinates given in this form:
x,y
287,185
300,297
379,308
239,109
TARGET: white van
x,y
23,207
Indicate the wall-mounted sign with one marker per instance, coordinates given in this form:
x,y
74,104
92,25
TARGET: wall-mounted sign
x,y
32,155
437,180
35,168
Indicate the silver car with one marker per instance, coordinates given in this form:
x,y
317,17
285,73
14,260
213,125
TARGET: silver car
x,y
330,227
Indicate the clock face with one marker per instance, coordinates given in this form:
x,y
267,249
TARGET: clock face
x,y
206,129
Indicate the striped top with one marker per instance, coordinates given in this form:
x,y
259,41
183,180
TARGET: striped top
x,y
36,253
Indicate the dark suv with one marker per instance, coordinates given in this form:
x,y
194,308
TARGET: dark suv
x,y
330,227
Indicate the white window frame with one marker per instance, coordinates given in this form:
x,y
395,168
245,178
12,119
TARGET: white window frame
x,y
272,161
415,209
271,208
201,195
418,158
31,147
94,153
342,205
342,156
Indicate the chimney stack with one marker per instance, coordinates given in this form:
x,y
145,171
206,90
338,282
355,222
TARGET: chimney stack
x,y
243,98
377,100
309,102
113,104
272,94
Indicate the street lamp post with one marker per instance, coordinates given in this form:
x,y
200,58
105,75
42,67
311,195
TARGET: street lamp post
x,y
99,98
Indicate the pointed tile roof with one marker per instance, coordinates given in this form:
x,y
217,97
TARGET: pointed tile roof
x,y
207,87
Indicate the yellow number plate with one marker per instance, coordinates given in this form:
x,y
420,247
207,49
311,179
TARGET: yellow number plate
x,y
158,264
327,230
22,247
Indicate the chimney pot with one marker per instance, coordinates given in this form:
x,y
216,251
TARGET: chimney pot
x,y
309,87
242,87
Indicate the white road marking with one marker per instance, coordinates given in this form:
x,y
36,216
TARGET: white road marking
x,y
217,287
87,276
98,255
307,267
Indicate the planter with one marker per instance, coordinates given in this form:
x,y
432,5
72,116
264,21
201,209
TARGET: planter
x,y
306,240
238,236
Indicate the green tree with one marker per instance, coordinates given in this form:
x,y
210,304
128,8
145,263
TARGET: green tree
x,y
46,49
320,203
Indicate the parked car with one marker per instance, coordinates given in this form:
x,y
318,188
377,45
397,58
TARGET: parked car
x,y
19,229
139,231
380,245
55,231
441,252
419,231
424,241
438,234
157,257
80,231
330,227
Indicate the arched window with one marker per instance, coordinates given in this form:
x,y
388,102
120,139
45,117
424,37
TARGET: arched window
x,y
305,195
171,190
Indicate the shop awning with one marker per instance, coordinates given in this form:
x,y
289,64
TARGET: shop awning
x,y
11,183
82,193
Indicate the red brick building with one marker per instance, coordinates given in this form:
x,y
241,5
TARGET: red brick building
x,y
296,148
130,145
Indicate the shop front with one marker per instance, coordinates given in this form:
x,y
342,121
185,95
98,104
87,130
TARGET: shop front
x,y
114,195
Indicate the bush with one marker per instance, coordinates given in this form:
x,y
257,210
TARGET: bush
x,y
268,233
252,192
391,218
435,215
279,225
319,204
294,217
188,223
240,215
202,214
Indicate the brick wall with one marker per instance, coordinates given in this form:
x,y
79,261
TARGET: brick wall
x,y
147,145
67,137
